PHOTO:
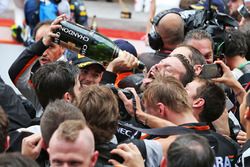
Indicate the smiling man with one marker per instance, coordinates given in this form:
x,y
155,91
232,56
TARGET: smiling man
x,y
42,52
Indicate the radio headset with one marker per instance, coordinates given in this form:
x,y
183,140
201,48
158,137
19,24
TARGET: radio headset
x,y
155,41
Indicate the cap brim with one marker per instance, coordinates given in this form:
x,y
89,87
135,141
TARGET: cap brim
x,y
86,64
86,61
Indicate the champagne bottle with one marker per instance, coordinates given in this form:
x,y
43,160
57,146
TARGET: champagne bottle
x,y
88,43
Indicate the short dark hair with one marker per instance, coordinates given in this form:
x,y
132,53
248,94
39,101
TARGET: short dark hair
x,y
16,160
190,150
235,43
52,80
100,108
198,34
55,113
245,29
196,57
4,123
40,24
189,75
215,100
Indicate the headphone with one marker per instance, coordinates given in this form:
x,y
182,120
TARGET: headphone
x,y
154,39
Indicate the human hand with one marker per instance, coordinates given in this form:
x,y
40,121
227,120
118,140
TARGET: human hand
x,y
130,154
128,103
241,137
124,62
48,38
32,145
227,78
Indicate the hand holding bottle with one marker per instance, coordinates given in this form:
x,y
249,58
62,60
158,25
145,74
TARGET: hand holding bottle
x,y
50,35
93,45
124,62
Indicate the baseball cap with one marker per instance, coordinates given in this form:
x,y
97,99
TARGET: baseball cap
x,y
82,61
216,4
126,46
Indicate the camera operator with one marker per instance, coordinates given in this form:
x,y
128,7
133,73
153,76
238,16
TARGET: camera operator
x,y
166,33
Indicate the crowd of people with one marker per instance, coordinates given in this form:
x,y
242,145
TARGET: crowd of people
x,y
189,107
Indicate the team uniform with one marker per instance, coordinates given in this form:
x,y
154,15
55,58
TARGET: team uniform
x,y
21,70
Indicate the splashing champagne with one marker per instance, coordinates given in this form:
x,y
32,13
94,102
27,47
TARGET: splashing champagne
x,y
88,43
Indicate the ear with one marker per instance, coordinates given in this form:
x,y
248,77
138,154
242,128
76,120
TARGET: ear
x,y
198,103
94,158
163,162
7,143
48,150
162,110
197,69
67,97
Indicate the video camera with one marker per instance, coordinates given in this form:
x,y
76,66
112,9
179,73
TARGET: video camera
x,y
213,22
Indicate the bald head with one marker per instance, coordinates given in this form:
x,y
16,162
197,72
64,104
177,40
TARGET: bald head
x,y
171,30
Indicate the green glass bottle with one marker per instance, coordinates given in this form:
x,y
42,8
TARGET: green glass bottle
x,y
86,42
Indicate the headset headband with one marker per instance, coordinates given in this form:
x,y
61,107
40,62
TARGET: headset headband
x,y
160,15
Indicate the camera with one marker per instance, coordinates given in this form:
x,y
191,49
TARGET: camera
x,y
123,112
211,21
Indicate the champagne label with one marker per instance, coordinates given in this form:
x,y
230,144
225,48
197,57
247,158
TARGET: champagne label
x,y
72,39
75,34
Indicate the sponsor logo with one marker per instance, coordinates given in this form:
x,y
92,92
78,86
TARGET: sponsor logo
x,y
222,162
75,34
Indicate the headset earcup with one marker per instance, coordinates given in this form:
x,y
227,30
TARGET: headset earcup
x,y
155,41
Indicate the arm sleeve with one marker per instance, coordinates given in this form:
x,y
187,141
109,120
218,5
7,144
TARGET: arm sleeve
x,y
20,72
154,153
13,107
